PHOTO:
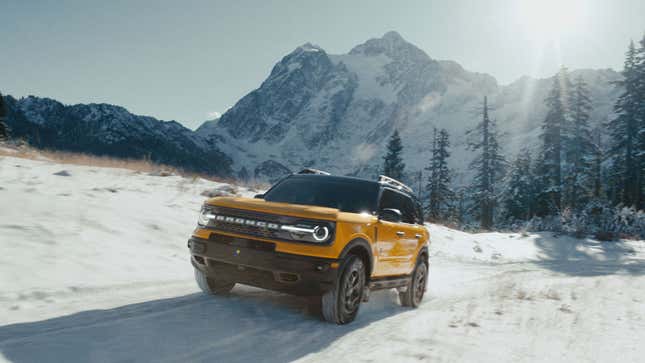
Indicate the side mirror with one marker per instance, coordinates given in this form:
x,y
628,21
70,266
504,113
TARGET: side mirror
x,y
259,196
390,215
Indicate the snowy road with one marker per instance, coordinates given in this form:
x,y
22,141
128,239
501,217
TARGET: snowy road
x,y
93,267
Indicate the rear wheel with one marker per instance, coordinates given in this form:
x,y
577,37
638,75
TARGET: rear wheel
x,y
340,304
414,294
212,286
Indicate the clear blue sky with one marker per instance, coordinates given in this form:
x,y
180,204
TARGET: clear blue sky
x,y
185,59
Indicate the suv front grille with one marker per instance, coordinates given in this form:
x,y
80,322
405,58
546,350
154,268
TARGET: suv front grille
x,y
247,229
257,224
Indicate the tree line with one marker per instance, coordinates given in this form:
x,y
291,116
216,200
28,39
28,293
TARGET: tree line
x,y
575,174
4,129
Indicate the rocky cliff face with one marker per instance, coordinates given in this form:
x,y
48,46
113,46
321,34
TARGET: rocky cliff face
x,y
335,112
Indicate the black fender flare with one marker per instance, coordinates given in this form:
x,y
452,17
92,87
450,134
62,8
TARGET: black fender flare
x,y
363,245
423,253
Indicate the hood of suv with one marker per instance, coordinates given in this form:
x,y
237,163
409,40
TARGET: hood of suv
x,y
260,205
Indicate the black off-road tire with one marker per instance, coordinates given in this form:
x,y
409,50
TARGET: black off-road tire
x,y
212,286
340,304
413,296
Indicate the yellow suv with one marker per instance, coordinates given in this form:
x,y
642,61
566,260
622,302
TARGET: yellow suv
x,y
314,234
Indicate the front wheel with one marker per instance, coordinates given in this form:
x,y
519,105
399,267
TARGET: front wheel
x,y
212,286
340,304
414,294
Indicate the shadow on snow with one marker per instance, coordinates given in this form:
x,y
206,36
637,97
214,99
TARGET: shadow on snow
x,y
584,257
249,325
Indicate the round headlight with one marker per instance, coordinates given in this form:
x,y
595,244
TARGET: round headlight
x,y
205,216
320,234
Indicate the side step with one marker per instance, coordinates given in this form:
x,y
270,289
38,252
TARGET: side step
x,y
389,282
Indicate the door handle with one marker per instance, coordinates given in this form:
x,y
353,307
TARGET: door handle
x,y
400,233
418,236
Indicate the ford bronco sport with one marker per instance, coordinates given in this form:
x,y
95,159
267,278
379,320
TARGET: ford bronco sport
x,y
315,234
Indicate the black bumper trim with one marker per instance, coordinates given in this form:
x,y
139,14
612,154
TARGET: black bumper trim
x,y
248,262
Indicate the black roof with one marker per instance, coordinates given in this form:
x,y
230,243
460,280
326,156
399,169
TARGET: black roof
x,y
348,179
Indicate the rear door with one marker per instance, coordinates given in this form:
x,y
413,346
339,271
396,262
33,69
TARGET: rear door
x,y
418,232
396,242
414,234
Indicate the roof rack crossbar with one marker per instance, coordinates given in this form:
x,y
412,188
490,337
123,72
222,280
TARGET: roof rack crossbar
x,y
395,183
313,171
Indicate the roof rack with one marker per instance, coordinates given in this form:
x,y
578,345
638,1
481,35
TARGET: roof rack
x,y
395,183
313,171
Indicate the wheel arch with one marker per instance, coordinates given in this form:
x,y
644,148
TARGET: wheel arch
x,y
423,253
362,248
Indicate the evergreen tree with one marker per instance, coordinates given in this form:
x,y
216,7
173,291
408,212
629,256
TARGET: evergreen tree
x,y
4,129
624,130
393,165
579,148
460,209
640,66
518,195
541,203
488,166
553,128
439,193
596,168
432,180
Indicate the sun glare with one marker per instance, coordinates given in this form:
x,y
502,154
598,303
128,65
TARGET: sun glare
x,y
547,21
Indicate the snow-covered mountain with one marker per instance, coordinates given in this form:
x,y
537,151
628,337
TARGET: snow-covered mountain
x,y
105,129
332,112
336,112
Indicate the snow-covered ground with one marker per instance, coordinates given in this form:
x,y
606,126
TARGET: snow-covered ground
x,y
94,267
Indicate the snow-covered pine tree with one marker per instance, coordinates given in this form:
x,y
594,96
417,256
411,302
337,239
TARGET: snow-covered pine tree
x,y
640,66
596,165
553,128
541,203
518,194
578,148
460,208
4,129
624,130
440,195
393,165
431,210
488,167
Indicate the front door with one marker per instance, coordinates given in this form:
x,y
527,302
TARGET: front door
x,y
396,242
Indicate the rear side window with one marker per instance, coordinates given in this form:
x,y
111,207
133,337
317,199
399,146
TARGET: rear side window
x,y
396,200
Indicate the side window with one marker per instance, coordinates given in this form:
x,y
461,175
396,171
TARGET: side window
x,y
395,200
409,211
390,199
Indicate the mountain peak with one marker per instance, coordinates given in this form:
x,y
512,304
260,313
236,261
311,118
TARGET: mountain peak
x,y
392,45
307,56
308,47
393,36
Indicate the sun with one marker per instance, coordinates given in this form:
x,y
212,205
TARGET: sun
x,y
548,21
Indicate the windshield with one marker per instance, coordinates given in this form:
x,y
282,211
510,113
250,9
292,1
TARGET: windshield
x,y
347,195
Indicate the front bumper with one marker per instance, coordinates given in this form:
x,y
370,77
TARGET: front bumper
x,y
256,263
